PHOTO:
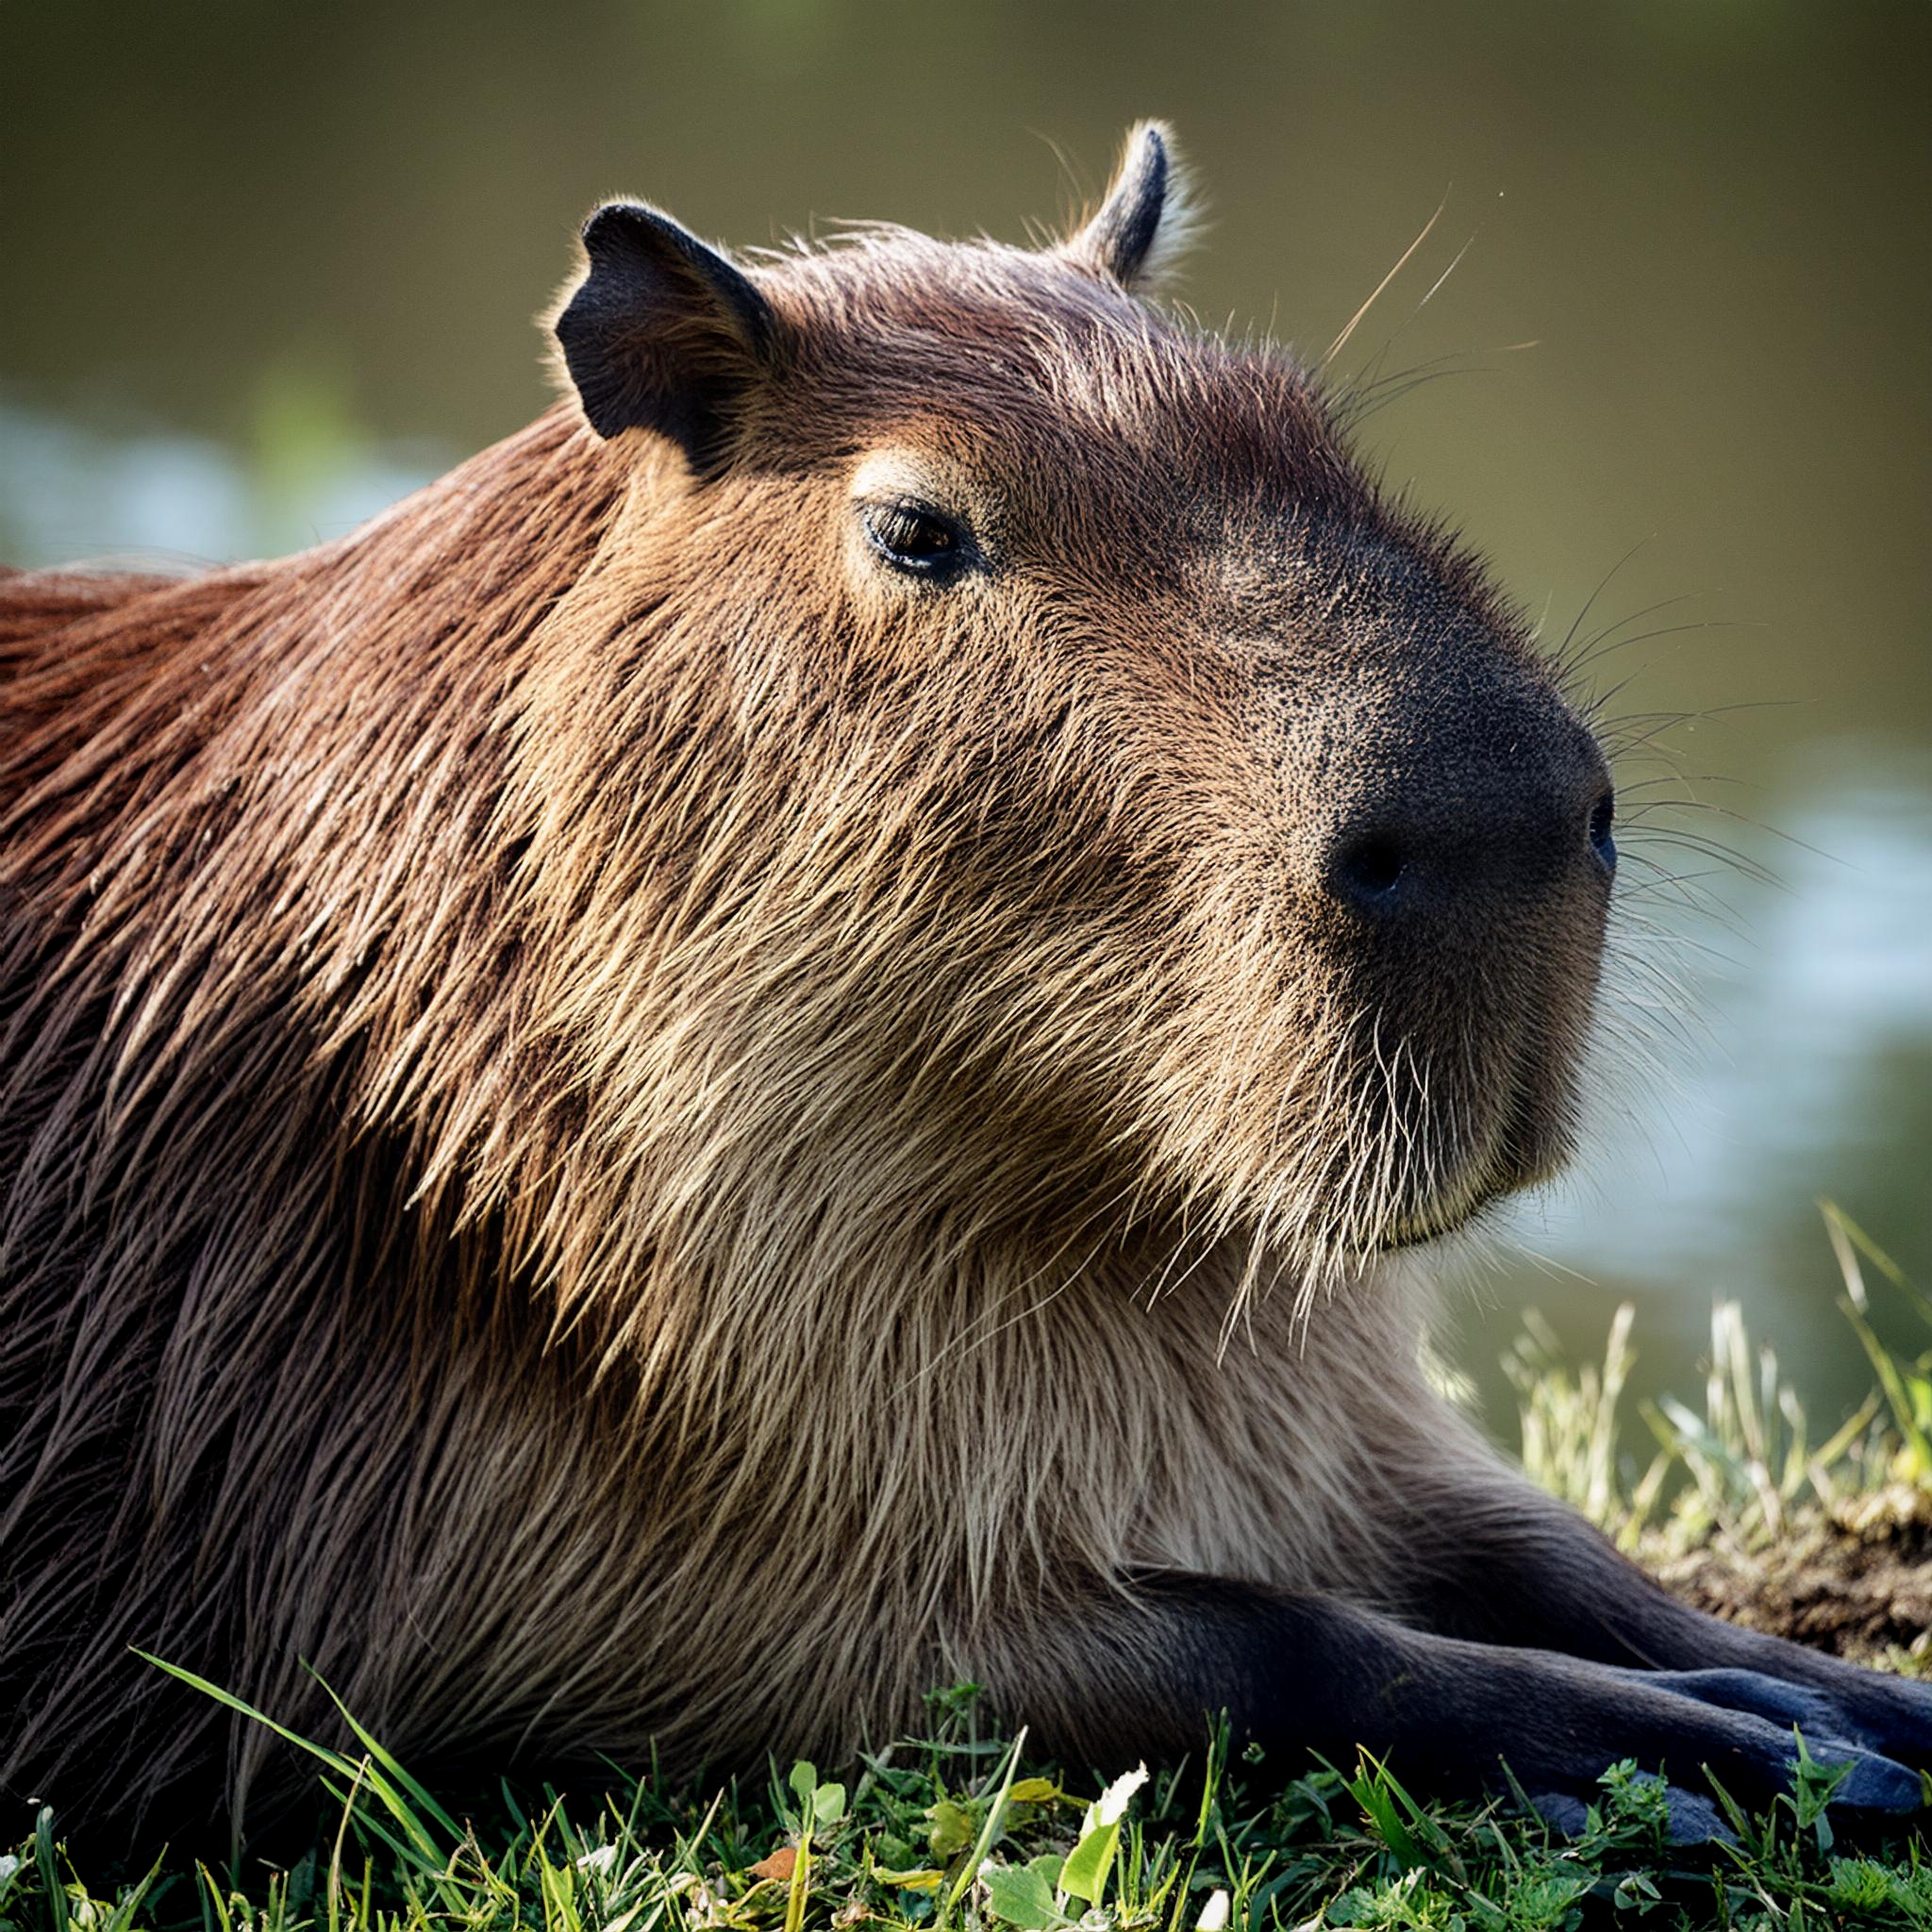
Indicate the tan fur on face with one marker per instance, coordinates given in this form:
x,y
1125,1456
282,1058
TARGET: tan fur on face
x,y
620,1127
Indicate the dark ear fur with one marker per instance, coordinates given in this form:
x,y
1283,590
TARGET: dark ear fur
x,y
1143,221
663,333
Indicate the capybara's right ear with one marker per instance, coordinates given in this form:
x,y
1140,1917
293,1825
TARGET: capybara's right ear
x,y
663,332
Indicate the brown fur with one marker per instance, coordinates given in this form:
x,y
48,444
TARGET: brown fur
x,y
618,1130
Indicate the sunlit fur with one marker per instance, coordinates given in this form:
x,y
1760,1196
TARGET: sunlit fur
x,y
620,1128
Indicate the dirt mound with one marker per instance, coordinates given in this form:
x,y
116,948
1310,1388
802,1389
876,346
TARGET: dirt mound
x,y
1856,1580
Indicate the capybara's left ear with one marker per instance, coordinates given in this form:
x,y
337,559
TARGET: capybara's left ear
x,y
663,332
1146,219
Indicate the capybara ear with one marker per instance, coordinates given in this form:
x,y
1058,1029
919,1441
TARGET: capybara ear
x,y
663,332
1145,220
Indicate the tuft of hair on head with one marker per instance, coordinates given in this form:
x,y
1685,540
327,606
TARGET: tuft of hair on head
x,y
1146,219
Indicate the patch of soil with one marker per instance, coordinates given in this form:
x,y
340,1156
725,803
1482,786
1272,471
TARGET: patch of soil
x,y
1856,1580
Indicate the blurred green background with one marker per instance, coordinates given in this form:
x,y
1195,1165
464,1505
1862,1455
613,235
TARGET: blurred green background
x,y
269,267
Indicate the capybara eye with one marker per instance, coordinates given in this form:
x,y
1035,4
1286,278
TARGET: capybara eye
x,y
915,538
1603,816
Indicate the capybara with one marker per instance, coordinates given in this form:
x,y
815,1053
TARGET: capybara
x,y
782,1043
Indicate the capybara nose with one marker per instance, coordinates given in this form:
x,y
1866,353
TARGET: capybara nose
x,y
1398,860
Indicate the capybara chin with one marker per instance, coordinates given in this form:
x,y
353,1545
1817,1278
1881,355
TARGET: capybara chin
x,y
772,1047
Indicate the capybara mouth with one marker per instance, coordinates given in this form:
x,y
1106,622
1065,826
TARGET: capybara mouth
x,y
1532,1141
1417,1231
1438,1219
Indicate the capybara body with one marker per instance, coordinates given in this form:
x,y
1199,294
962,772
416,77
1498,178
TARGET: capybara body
x,y
782,1043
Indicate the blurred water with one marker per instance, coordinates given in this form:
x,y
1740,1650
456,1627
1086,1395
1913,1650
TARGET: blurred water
x,y
268,268
163,498
1804,1072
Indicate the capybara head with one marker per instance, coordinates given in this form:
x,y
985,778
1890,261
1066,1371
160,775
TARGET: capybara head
x,y
1077,795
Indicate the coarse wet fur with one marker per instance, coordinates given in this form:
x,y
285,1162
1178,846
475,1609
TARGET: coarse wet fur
x,y
782,1042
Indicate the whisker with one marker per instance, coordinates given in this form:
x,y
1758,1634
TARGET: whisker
x,y
1340,342
1589,602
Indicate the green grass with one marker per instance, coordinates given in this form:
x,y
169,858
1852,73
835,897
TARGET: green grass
x,y
955,1830
959,1829
1739,1471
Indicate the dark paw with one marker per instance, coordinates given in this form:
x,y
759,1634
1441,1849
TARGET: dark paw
x,y
1891,1714
1695,1821
1690,1819
1874,1783
1776,1698
1869,1730
1888,1714
1734,1731
1571,1816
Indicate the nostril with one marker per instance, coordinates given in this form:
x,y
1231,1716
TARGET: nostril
x,y
1603,815
1369,867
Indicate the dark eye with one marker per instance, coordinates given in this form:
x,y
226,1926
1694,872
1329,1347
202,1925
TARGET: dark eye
x,y
915,538
1601,818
